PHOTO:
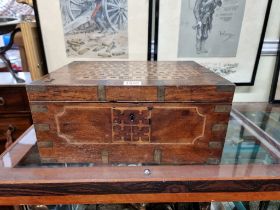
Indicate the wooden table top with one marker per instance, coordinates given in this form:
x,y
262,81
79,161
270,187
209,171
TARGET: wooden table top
x,y
25,182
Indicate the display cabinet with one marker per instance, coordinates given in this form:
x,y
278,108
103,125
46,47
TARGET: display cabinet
x,y
249,170
15,116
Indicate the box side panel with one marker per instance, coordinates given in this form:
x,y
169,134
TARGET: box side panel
x,y
199,94
61,93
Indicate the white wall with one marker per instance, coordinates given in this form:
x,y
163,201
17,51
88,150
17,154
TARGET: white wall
x,y
261,90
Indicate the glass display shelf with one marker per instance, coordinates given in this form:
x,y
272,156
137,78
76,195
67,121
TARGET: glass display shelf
x,y
248,170
265,116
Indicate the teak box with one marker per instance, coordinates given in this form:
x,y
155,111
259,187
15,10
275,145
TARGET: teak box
x,y
131,112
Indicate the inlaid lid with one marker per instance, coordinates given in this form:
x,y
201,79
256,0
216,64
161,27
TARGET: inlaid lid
x,y
134,81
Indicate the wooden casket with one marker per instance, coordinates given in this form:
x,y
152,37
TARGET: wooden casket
x,y
131,112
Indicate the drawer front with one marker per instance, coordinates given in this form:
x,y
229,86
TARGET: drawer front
x,y
13,99
18,123
128,132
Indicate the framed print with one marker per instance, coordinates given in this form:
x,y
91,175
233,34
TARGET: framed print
x,y
275,87
226,36
77,30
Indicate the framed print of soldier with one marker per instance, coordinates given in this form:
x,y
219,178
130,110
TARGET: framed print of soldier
x,y
92,30
203,13
225,36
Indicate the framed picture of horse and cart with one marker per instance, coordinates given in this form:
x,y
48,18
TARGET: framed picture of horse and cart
x,y
77,30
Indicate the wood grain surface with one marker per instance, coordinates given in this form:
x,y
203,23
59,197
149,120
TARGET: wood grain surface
x,y
176,133
140,198
177,112
132,81
173,180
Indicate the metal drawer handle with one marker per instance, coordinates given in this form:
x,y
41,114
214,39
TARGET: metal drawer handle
x,y
9,135
2,101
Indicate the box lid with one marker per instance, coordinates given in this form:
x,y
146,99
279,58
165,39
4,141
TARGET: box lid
x,y
132,81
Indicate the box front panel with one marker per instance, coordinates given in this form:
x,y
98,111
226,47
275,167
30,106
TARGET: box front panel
x,y
162,133
84,125
182,125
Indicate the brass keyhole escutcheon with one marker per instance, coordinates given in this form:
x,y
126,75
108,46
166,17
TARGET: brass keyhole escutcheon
x,y
132,117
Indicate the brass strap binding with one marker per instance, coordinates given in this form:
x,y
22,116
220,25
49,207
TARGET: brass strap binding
x,y
45,144
101,93
219,127
222,108
42,127
157,156
38,108
105,157
161,93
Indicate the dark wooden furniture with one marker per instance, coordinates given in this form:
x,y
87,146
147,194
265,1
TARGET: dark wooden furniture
x,y
29,183
133,112
15,116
